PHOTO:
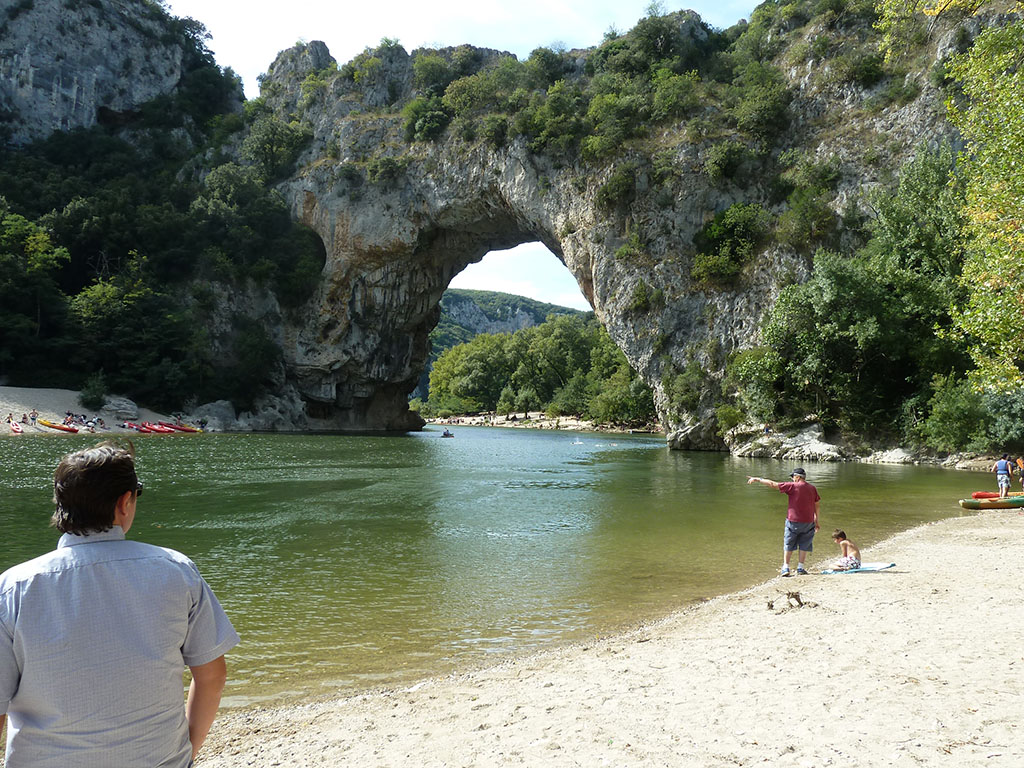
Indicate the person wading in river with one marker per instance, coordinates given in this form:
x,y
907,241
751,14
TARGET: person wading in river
x,y
801,517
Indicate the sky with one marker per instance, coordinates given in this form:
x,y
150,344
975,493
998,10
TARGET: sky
x,y
247,35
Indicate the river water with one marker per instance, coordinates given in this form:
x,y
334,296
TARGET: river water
x,y
351,562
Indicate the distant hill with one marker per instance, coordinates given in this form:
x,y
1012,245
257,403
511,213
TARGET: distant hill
x,y
466,313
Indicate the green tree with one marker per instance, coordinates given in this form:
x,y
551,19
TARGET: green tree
x,y
34,307
992,123
957,417
425,118
273,145
432,73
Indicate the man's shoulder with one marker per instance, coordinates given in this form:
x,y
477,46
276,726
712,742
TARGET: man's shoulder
x,y
63,558
142,550
26,570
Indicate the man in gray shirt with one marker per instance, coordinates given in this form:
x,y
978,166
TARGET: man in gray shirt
x,y
95,636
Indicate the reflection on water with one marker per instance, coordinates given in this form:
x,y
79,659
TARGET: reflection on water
x,y
355,561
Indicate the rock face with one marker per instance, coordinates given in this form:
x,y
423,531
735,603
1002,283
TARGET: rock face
x,y
466,313
74,63
399,220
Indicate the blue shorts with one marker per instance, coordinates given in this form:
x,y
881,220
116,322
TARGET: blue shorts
x,y
1003,480
798,536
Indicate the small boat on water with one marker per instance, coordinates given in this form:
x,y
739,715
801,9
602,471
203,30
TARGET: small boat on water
x,y
1009,502
55,425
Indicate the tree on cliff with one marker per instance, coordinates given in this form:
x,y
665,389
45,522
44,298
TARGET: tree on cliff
x,y
992,123
991,119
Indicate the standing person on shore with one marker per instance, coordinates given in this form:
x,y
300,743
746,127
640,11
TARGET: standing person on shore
x,y
1004,472
95,635
801,517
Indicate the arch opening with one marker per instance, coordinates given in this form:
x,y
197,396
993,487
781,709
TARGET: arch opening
x,y
528,269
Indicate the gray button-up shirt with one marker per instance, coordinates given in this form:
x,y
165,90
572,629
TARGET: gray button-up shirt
x,y
94,638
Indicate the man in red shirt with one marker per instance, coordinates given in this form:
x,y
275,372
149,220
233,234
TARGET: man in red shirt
x,y
801,517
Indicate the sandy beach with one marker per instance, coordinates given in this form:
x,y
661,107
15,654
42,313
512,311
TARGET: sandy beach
x,y
920,665
52,405
538,420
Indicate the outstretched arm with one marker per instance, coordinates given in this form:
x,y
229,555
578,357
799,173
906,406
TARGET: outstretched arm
x,y
204,699
762,481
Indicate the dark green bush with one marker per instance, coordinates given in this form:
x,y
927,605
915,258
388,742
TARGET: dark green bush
x,y
727,243
385,169
725,159
619,190
425,118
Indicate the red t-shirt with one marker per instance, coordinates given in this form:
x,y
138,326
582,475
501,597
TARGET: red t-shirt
x,y
802,498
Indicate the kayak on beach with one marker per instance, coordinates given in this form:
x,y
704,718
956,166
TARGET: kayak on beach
x,y
160,428
993,494
1009,502
179,427
55,425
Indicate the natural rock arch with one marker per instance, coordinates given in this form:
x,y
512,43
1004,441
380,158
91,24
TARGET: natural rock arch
x,y
390,259
398,220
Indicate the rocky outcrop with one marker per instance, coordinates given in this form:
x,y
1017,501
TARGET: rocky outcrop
x,y
74,63
399,220
465,312
805,444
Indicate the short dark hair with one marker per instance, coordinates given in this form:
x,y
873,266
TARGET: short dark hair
x,y
838,534
87,485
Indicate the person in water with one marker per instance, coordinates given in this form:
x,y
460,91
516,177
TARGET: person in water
x,y
1004,472
801,517
849,559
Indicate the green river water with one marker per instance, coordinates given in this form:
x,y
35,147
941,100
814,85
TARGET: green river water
x,y
351,562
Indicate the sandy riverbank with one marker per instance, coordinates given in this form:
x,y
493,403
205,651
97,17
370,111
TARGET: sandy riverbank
x,y
52,405
538,420
921,665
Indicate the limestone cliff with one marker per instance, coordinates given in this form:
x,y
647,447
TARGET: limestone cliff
x,y
71,64
400,219
402,202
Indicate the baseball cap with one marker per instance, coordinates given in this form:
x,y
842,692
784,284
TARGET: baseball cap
x,y
798,471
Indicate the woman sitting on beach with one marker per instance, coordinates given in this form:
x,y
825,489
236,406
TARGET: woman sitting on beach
x,y
850,559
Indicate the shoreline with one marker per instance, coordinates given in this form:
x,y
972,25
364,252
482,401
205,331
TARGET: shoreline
x,y
539,420
52,405
872,669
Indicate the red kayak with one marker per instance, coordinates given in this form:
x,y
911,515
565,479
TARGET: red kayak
x,y
156,427
993,494
178,427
